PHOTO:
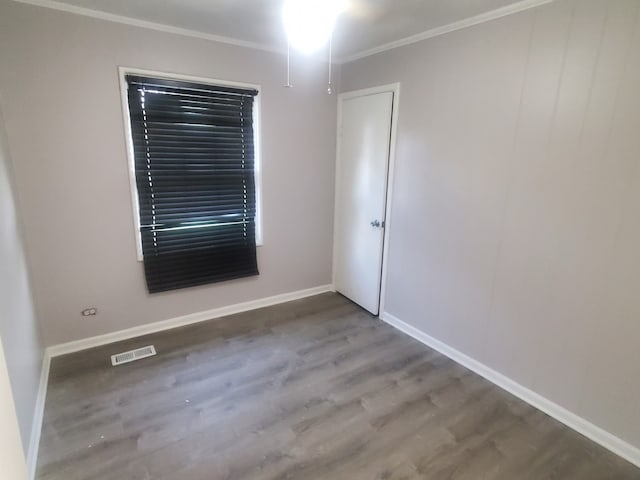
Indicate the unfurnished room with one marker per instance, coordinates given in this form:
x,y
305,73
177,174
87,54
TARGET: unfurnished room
x,y
320,239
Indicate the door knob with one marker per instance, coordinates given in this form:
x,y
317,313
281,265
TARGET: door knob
x,y
375,223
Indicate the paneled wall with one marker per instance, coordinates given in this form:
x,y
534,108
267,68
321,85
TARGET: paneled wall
x,y
515,225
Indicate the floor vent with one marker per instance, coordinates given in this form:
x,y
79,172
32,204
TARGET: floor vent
x,y
132,355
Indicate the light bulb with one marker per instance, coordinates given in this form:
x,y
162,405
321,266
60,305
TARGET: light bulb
x,y
309,23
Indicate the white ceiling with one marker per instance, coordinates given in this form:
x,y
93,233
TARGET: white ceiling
x,y
367,24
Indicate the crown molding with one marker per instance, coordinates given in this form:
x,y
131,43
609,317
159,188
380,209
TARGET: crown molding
x,y
160,27
452,27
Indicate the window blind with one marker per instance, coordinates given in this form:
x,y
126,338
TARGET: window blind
x,y
194,163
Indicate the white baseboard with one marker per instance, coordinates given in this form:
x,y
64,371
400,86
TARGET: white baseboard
x,y
570,419
189,319
38,415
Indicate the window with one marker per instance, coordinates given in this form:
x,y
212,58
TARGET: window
x,y
192,149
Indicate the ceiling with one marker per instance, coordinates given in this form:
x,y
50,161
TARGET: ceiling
x,y
366,25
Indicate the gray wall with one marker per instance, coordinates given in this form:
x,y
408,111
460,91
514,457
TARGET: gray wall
x,y
18,326
516,210
59,79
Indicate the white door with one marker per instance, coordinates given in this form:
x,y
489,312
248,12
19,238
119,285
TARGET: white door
x,y
361,190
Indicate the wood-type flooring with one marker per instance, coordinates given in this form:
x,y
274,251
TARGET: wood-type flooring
x,y
307,390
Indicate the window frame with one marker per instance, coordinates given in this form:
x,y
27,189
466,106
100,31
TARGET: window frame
x,y
257,170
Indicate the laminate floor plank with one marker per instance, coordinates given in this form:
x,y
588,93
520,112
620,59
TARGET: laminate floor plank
x,y
312,389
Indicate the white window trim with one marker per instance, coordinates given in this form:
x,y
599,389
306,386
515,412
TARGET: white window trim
x,y
123,72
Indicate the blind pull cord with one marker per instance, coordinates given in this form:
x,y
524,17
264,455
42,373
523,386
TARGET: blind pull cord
x,y
329,90
288,85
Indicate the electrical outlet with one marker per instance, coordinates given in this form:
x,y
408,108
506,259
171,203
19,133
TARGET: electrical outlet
x,y
87,312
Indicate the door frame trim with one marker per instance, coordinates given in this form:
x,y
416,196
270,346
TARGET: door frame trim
x,y
395,89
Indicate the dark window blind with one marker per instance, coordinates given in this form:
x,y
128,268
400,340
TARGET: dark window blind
x,y
194,166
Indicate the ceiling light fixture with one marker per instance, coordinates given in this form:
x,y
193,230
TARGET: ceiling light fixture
x,y
309,26
309,23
